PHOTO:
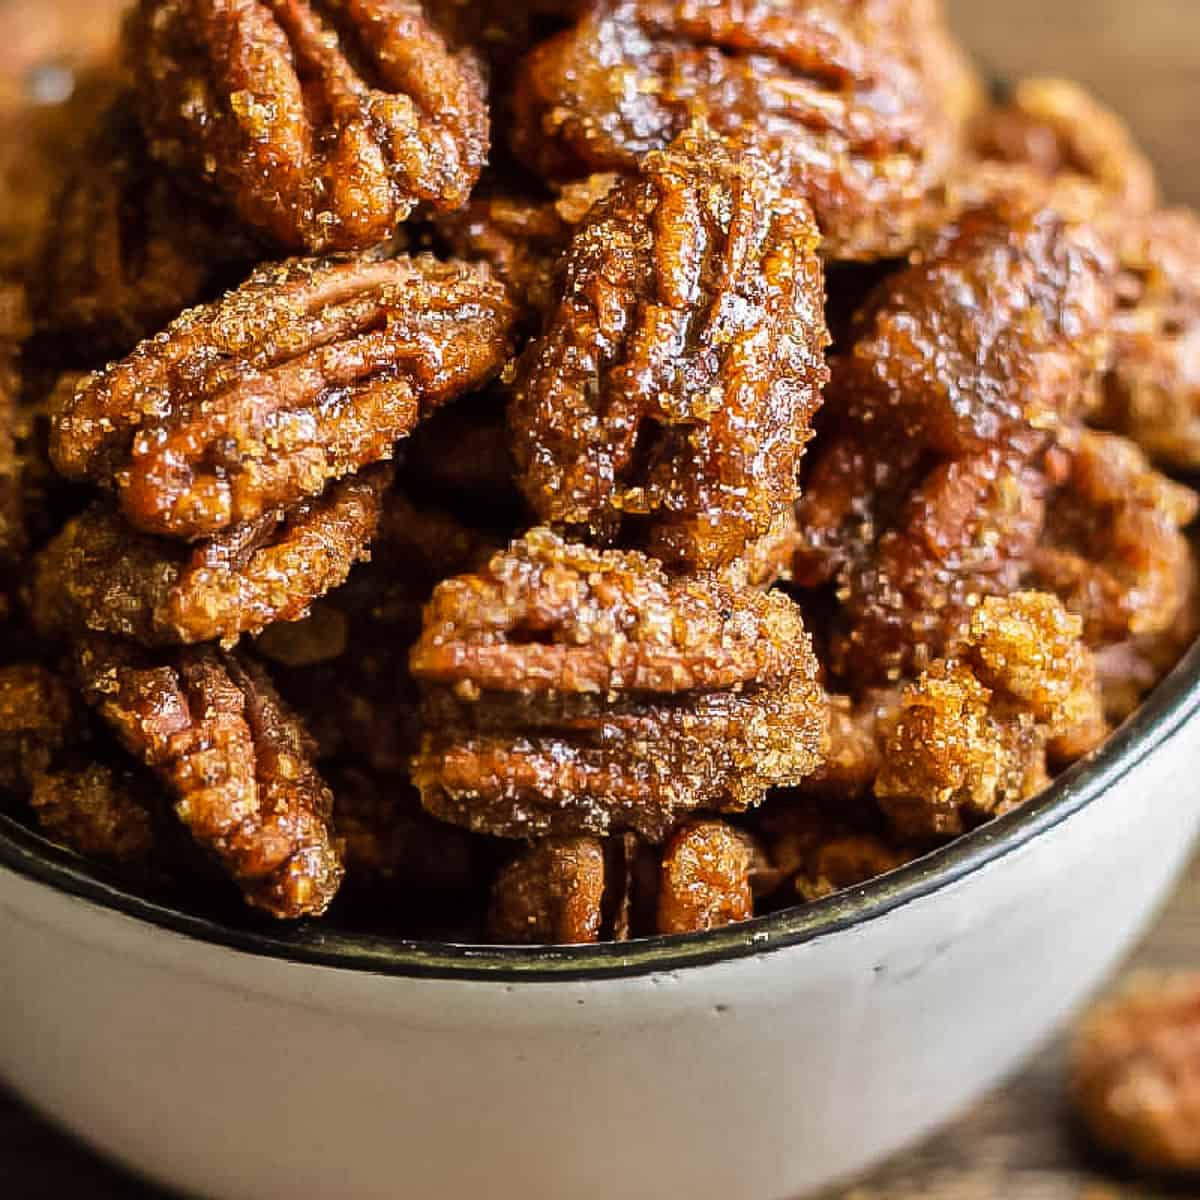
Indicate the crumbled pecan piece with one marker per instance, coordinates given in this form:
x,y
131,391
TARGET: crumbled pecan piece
x,y
574,691
863,107
123,251
322,122
551,893
969,741
100,576
1113,550
669,398
305,373
237,762
1136,1072
1152,393
705,879
1056,126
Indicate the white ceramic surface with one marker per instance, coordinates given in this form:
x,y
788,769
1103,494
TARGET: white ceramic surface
x,y
814,1044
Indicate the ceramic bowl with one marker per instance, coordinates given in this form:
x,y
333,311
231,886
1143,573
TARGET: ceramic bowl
x,y
760,1061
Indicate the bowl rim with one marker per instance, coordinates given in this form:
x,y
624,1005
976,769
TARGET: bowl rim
x,y
1165,711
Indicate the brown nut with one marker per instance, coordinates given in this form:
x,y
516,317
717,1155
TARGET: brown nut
x,y
705,879
123,251
551,893
668,401
969,740
863,107
1135,1072
99,576
237,763
1113,548
307,372
322,122
573,691
1057,126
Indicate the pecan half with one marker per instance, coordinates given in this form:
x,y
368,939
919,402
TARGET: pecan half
x,y
305,373
97,575
237,762
705,880
552,893
322,122
572,691
669,398
862,106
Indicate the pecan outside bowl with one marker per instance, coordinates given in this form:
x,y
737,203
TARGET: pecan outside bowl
x,y
762,1060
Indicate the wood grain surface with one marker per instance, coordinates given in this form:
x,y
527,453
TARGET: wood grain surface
x,y
1143,56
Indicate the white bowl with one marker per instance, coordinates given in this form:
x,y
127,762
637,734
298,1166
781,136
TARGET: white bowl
x,y
760,1061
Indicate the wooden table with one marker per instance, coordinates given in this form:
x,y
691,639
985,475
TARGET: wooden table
x,y
1144,57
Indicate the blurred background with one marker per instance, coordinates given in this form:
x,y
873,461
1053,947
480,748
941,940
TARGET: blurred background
x,y
1140,56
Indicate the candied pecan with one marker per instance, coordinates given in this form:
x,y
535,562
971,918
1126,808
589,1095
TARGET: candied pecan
x,y
550,893
1135,1073
969,741
35,721
106,814
992,338
705,879
123,252
322,122
1113,550
1152,393
98,575
1054,126
574,691
669,397
863,106
856,729
306,372
238,763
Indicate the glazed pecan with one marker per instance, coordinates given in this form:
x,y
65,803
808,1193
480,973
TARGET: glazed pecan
x,y
237,764
669,398
123,251
1135,1073
550,893
1113,548
862,106
97,575
969,740
1057,126
705,881
1152,393
322,122
307,372
573,691
928,491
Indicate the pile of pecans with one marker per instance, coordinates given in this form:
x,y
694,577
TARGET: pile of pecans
x,y
614,467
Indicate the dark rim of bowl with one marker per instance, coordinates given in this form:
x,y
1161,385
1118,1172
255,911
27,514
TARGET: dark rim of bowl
x,y
1160,718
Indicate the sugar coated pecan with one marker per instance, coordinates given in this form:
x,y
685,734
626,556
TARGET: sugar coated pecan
x,y
322,122
1152,393
305,373
36,716
1057,126
668,400
237,763
573,691
862,105
550,893
1113,548
1136,1072
969,740
705,881
123,251
98,575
